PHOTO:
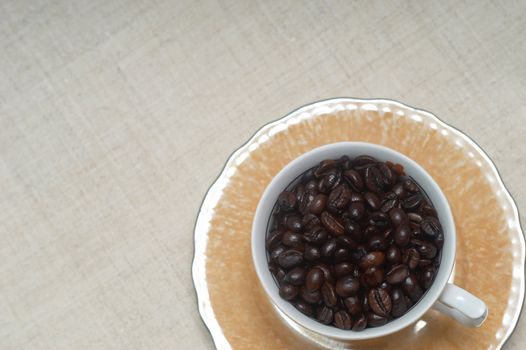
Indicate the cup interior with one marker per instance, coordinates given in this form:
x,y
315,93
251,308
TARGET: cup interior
x,y
333,151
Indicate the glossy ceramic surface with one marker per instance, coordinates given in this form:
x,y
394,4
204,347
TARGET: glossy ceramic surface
x,y
490,243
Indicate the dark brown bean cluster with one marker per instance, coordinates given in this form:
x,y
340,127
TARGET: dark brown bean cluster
x,y
354,243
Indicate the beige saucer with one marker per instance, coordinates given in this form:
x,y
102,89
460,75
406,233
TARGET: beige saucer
x,y
490,247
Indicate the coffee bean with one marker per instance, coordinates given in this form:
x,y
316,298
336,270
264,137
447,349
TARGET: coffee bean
x,y
397,274
371,231
346,242
343,269
399,191
357,197
288,291
398,301
412,202
354,230
304,308
307,176
314,279
431,227
339,197
316,235
374,180
356,210
347,286
332,224
410,186
318,204
425,262
372,200
398,217
324,314
287,201
426,249
389,204
291,239
375,320
411,288
353,305
402,235
375,258
377,243
428,276
342,320
393,255
354,178
312,253
274,238
329,181
305,202
373,276
379,219
278,273
389,177
329,248
328,294
327,274
310,296
344,161
341,255
311,187
309,221
324,167
293,223
414,217
379,301
439,241
290,258
296,276
360,323
277,252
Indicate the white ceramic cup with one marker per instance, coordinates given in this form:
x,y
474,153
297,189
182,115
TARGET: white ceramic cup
x,y
442,296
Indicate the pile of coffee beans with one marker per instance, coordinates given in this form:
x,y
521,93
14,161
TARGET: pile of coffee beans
x,y
354,242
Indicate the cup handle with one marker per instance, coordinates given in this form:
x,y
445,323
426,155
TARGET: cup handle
x,y
462,306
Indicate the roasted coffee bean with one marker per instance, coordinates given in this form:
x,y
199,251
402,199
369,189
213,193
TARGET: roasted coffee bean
x,y
324,167
375,258
324,314
288,291
360,323
291,239
372,200
413,258
428,276
328,293
389,204
327,273
356,211
379,219
296,276
329,181
393,255
312,253
379,301
402,235
314,279
354,178
310,296
377,243
329,248
357,197
373,276
318,204
290,258
398,301
355,243
309,221
304,308
347,286
411,288
332,224
398,217
277,252
431,227
342,320
343,269
397,274
375,320
414,217
374,180
411,186
316,235
412,202
354,230
339,197
287,201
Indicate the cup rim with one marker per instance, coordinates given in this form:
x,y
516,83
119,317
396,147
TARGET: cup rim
x,y
296,167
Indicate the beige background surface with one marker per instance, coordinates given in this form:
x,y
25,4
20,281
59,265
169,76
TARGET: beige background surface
x,y
116,116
